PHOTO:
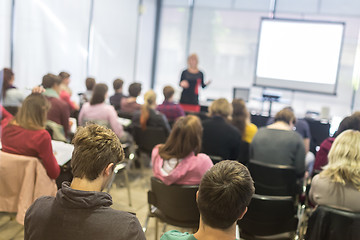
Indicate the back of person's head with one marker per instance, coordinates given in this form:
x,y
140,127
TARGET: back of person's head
x,y
90,83
225,192
99,93
286,116
118,83
344,159
7,76
49,80
168,92
64,75
185,138
149,101
33,112
134,89
349,122
221,107
95,147
240,115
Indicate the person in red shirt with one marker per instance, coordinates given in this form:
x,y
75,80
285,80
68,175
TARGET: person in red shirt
x,y
26,134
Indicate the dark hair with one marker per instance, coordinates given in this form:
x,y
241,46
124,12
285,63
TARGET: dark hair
x,y
134,89
285,115
118,83
168,92
95,147
240,115
224,193
349,122
90,83
64,75
49,80
185,137
7,75
33,112
99,93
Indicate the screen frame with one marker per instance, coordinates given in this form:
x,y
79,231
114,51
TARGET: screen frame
x,y
334,93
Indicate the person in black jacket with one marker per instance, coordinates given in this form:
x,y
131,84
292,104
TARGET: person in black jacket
x,y
220,138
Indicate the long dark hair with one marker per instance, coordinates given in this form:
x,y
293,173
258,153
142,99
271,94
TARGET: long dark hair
x,y
7,76
99,93
240,115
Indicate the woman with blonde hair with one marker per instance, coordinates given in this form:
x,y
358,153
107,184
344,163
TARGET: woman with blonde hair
x,y
178,161
148,116
26,134
338,185
241,120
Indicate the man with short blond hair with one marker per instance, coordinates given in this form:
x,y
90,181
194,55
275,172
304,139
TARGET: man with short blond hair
x,y
81,210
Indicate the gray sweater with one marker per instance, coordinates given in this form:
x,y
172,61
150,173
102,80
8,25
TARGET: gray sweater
x,y
279,147
79,215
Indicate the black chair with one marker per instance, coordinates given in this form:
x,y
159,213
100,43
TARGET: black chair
x,y
333,224
12,110
215,159
126,115
268,215
147,139
173,204
273,179
244,155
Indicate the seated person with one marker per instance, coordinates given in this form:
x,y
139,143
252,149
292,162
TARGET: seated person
x,y
241,120
338,185
98,112
129,105
148,116
350,122
220,138
80,209
26,134
11,96
59,112
279,144
115,99
65,91
90,84
171,110
178,161
225,192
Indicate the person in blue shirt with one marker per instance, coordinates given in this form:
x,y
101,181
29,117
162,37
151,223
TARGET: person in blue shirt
x,y
224,193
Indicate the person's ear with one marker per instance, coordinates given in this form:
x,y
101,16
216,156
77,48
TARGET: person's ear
x,y
109,169
197,195
243,214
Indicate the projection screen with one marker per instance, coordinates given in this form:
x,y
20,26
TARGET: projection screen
x,y
299,55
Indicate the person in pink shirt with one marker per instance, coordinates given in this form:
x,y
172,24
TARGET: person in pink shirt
x,y
97,111
178,161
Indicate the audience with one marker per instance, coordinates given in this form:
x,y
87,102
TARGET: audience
x,y
115,99
90,84
65,91
129,105
11,96
338,185
59,113
278,144
350,122
148,116
178,161
98,112
26,134
80,209
220,138
241,120
225,192
171,110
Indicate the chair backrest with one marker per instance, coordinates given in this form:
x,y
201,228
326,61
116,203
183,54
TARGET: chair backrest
x,y
103,123
215,159
273,179
176,202
126,115
269,215
147,139
330,223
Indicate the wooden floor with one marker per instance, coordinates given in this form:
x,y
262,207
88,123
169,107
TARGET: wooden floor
x,y
140,184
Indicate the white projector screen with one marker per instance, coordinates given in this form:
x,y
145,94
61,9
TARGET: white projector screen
x,y
299,55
